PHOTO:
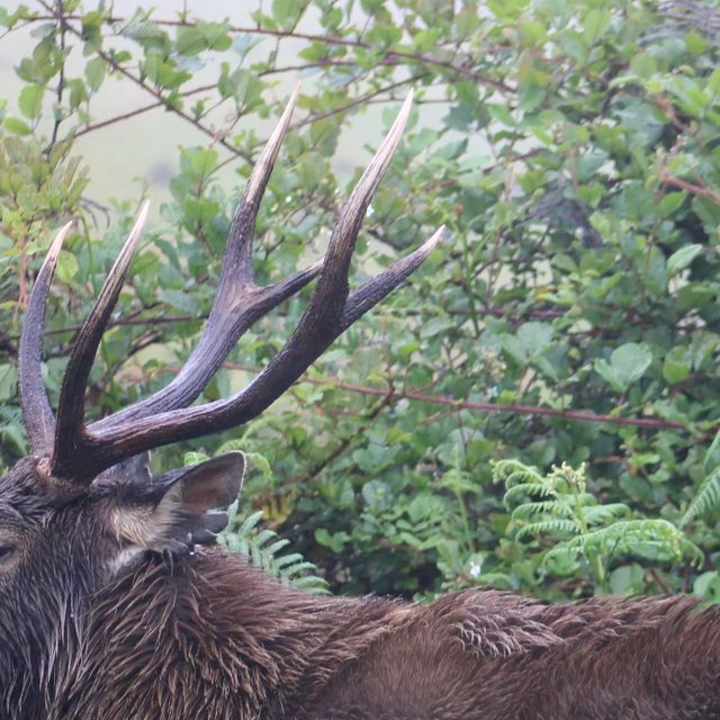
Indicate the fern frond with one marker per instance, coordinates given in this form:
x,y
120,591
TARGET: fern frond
x,y
545,507
650,539
250,522
706,500
599,514
513,472
547,527
525,490
263,546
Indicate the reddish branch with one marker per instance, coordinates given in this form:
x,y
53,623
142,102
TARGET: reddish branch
x,y
393,395
138,111
389,58
699,190
189,93
358,101
513,409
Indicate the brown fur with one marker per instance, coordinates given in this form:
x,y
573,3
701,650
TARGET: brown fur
x,y
94,629
212,638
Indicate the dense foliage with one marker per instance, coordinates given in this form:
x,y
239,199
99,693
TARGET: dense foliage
x,y
573,319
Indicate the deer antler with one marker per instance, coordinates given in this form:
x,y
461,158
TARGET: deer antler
x,y
81,452
239,301
37,413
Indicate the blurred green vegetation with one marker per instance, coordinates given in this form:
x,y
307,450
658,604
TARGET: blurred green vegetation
x,y
573,321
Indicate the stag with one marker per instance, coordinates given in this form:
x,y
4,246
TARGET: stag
x,y
116,605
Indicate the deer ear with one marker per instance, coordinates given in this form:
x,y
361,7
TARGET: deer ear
x,y
214,484
180,509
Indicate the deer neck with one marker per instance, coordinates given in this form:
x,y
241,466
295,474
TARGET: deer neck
x,y
210,630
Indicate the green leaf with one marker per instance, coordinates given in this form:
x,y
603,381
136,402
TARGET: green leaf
x,y
285,12
190,41
78,94
535,337
707,586
534,33
437,326
8,381
677,365
95,73
180,300
67,267
690,94
30,101
671,203
17,126
334,541
627,365
681,258
713,83
627,579
217,36
596,24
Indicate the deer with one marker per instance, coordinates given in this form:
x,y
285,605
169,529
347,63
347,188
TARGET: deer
x,y
116,602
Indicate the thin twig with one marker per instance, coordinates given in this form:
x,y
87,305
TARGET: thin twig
x,y
189,93
158,95
325,40
137,111
340,110
61,75
358,101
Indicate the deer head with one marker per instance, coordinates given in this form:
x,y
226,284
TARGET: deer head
x,y
83,507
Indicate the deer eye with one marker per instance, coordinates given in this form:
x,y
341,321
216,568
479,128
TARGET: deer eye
x,y
6,552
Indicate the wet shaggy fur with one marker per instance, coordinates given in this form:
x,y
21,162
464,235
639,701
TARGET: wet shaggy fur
x,y
200,635
208,637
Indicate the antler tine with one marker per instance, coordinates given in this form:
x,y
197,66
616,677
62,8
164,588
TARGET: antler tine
x,y
330,312
333,282
71,406
239,301
373,291
37,413
244,221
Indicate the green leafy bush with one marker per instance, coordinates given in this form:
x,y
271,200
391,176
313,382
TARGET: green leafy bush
x,y
572,150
